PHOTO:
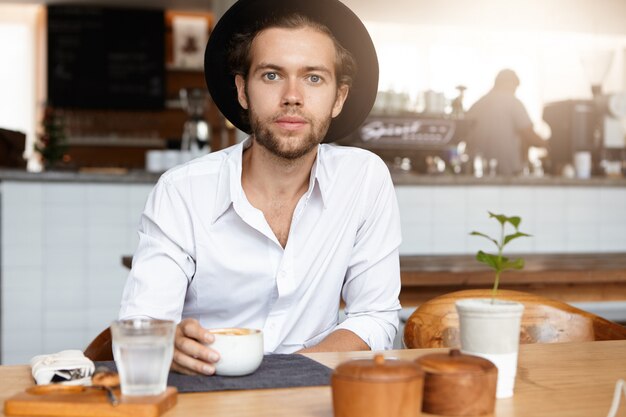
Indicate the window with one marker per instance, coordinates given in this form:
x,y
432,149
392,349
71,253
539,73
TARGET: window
x,y
21,71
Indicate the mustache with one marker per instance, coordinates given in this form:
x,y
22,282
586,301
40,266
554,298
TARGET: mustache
x,y
291,113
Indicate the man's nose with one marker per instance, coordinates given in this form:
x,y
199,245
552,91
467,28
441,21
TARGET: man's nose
x,y
292,94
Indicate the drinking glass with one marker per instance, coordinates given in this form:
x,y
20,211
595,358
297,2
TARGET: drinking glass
x,y
143,350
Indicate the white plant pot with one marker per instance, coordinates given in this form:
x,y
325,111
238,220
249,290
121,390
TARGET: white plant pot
x,y
491,330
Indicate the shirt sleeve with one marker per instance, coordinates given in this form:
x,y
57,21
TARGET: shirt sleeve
x,y
372,282
163,264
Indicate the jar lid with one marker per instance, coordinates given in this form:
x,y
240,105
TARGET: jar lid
x,y
454,362
379,369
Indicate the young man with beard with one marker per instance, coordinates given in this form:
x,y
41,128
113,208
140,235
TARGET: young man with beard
x,y
273,232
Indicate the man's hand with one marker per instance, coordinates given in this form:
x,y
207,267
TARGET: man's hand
x,y
191,354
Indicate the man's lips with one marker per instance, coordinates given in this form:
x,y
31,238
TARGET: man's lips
x,y
291,122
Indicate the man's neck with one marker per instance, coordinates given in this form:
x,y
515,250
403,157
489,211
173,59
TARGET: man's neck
x,y
275,185
276,178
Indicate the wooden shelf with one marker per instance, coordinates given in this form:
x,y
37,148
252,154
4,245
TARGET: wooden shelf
x,y
567,277
163,125
175,68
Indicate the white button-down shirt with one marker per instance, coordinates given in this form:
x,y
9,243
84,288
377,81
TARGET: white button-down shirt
x,y
205,252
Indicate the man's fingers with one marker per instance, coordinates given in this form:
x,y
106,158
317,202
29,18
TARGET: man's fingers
x,y
185,364
181,370
191,355
191,328
194,349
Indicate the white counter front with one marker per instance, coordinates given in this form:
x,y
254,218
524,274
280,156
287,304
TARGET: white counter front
x,y
561,219
61,261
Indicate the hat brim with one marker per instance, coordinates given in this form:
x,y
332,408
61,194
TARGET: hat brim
x,y
343,23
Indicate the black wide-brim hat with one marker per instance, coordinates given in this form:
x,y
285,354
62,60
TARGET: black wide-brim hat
x,y
343,23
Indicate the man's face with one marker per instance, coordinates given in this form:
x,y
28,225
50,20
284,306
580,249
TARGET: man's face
x,y
291,91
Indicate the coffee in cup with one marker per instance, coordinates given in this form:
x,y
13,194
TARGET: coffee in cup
x,y
240,350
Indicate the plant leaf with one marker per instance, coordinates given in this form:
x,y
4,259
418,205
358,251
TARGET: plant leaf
x,y
489,259
514,220
500,217
485,236
498,262
516,264
509,238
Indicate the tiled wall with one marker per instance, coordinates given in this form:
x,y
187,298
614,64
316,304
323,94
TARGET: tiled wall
x,y
567,219
62,244
61,252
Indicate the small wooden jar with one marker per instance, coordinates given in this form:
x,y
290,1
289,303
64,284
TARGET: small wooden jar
x,y
458,385
377,388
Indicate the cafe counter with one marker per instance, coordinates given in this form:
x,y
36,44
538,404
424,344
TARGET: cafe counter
x,y
104,175
400,178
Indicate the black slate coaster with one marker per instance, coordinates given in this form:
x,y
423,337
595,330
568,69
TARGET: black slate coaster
x,y
276,371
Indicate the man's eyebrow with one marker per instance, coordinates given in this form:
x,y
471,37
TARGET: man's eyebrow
x,y
318,68
264,66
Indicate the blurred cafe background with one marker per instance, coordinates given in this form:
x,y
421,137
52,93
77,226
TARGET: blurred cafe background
x,y
97,98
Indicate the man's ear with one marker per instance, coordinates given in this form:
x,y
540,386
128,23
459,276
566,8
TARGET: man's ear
x,y
241,91
342,94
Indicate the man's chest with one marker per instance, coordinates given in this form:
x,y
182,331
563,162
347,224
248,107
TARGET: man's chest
x,y
277,212
279,218
243,245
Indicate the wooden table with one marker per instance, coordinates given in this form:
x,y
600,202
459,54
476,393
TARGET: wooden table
x,y
565,380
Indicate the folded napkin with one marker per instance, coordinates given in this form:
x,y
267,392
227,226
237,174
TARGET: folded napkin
x,y
68,367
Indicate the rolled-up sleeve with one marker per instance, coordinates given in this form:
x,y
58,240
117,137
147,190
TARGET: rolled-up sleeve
x,y
163,264
372,283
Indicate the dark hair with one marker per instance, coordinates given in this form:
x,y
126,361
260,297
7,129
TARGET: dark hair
x,y
239,49
506,78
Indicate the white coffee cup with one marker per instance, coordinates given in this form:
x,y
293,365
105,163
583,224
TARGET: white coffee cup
x,y
154,161
240,350
582,164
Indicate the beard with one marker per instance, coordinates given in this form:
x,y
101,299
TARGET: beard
x,y
291,146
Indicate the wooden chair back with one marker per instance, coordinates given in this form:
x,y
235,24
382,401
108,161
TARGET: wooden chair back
x,y
435,323
100,348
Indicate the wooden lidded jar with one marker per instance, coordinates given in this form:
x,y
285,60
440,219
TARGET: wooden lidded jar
x,y
377,388
458,385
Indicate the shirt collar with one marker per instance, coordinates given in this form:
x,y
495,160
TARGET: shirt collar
x,y
229,181
319,175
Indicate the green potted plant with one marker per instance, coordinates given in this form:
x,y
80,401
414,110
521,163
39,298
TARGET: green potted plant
x,y
490,327
52,144
498,262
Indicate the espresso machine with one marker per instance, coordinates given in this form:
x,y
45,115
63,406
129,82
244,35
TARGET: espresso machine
x,y
196,135
594,125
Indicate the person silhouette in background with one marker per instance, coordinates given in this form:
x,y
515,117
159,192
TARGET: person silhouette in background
x,y
501,128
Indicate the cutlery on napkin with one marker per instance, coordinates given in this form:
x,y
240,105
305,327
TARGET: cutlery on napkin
x,y
68,367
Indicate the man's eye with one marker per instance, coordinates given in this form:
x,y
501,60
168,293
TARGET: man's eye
x,y
271,76
315,78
